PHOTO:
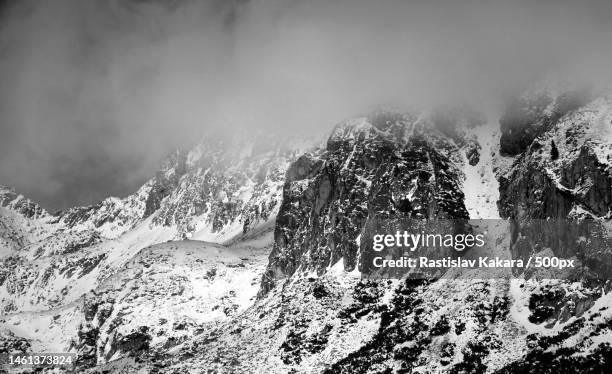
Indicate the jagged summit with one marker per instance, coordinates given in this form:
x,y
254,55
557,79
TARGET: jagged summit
x,y
389,164
220,190
10,199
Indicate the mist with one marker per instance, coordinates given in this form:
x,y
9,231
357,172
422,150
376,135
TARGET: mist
x,y
95,93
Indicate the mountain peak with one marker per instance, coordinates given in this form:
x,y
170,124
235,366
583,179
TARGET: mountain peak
x,y
10,199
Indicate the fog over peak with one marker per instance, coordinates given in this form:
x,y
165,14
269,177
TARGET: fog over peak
x,y
96,92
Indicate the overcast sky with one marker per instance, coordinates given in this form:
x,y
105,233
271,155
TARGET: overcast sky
x,y
94,93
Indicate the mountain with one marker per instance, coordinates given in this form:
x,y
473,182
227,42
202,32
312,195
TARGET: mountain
x,y
316,314
381,167
222,190
249,258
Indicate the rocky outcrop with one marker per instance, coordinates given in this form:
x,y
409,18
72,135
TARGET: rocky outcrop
x,y
386,166
221,183
165,181
564,174
539,188
10,343
95,310
18,203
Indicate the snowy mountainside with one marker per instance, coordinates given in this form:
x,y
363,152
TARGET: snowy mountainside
x,y
162,309
480,186
572,160
163,295
561,171
172,291
13,234
11,200
221,189
225,193
317,316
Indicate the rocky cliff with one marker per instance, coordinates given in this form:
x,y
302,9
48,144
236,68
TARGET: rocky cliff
x,y
386,166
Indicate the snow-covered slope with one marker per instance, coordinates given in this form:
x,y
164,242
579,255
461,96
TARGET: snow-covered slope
x,y
85,284
163,295
223,190
319,317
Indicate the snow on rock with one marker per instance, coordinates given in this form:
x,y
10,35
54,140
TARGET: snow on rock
x,y
49,261
115,283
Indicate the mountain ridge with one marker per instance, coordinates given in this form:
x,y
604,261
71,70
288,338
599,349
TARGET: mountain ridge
x,y
314,312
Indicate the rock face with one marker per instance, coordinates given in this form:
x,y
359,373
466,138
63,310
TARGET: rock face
x,y
11,200
564,173
222,188
578,181
386,166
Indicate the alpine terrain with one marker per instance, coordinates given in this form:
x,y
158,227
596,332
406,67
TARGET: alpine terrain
x,y
245,255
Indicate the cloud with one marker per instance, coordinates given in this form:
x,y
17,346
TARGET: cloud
x,y
95,93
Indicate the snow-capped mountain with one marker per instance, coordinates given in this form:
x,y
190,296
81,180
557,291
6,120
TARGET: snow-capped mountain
x,y
262,273
222,190
316,314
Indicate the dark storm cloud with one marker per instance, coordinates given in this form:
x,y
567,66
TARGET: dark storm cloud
x,y
95,92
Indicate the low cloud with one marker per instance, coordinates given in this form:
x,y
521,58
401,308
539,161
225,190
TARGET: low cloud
x,y
96,92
